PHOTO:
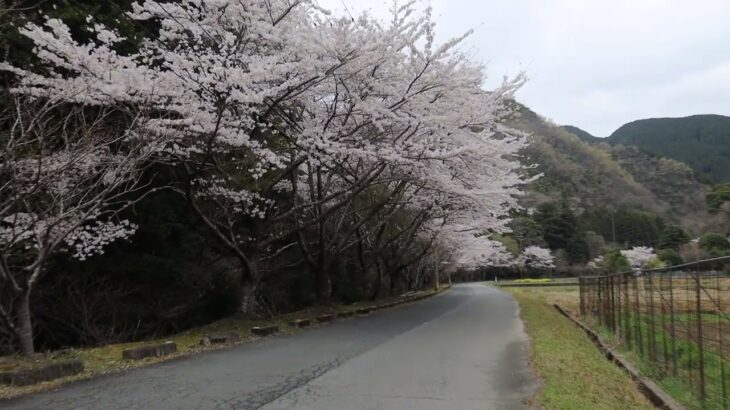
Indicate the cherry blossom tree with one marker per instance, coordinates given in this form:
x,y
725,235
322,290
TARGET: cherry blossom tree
x,y
284,119
535,257
639,256
596,263
421,127
481,252
66,172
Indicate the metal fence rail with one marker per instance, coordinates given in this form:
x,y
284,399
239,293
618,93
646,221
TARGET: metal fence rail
x,y
676,321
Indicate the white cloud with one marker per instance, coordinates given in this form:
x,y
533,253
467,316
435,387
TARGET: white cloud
x,y
596,65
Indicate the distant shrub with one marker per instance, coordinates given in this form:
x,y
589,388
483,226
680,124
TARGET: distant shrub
x,y
656,263
614,262
670,257
714,242
719,195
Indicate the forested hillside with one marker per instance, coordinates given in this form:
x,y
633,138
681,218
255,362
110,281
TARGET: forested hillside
x,y
592,194
586,173
671,182
701,141
582,134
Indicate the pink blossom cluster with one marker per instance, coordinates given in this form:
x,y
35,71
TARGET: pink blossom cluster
x,y
272,88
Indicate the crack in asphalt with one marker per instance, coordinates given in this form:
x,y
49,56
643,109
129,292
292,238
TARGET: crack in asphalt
x,y
267,395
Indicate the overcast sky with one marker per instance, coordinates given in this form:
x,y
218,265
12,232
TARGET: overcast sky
x,y
595,64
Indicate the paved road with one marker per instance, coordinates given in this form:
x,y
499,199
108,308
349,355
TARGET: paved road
x,y
464,349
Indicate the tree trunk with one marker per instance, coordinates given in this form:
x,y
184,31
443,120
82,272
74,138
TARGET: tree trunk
x,y
250,281
378,283
364,283
323,286
393,283
247,307
23,324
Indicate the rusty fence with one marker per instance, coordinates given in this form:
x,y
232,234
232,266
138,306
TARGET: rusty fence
x,y
676,322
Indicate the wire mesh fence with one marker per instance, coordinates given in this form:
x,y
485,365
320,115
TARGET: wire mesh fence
x,y
677,323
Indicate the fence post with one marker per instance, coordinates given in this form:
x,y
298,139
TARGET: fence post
x,y
617,291
604,298
700,344
614,325
609,303
693,325
627,307
672,326
651,336
599,300
721,295
662,300
581,294
637,317
723,378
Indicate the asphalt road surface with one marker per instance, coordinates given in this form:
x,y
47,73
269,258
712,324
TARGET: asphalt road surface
x,y
463,349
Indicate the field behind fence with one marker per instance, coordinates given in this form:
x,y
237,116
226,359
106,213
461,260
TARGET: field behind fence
x,y
676,321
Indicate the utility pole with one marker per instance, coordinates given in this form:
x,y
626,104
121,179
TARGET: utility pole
x,y
613,225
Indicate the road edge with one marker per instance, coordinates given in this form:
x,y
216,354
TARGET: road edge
x,y
65,382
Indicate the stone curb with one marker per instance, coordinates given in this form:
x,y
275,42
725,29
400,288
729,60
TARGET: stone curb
x,y
264,330
143,352
25,377
231,337
326,318
299,323
363,311
647,386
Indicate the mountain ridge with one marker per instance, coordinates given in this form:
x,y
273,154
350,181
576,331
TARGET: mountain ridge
x,y
582,134
593,172
702,141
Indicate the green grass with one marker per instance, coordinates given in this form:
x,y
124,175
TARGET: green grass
x,y
531,280
538,282
682,384
574,372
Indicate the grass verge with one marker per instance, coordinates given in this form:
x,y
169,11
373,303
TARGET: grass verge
x,y
575,374
682,383
108,359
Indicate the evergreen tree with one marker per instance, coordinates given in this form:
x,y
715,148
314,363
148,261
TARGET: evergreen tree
x,y
672,237
561,230
670,257
628,226
720,195
715,244
527,232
